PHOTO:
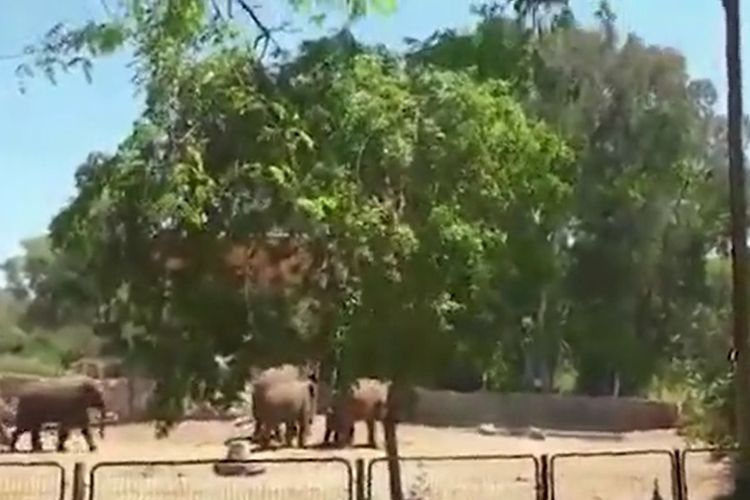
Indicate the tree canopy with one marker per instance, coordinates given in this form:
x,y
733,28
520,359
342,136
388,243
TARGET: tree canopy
x,y
498,207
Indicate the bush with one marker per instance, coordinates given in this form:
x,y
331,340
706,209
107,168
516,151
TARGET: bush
x,y
73,342
10,363
707,412
12,339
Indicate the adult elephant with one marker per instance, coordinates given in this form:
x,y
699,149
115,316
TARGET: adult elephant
x,y
365,399
266,380
63,402
292,403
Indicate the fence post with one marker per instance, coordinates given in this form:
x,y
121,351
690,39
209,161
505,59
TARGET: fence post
x,y
679,480
542,482
359,478
79,481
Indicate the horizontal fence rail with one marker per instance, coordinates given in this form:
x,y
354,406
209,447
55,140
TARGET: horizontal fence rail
x,y
614,475
694,474
477,477
277,479
32,481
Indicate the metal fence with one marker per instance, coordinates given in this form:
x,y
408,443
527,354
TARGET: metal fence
x,y
32,481
281,479
614,475
694,474
478,477
706,473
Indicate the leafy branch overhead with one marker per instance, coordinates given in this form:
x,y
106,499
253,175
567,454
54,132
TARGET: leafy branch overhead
x,y
64,48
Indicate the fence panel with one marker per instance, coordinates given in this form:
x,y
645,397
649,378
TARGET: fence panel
x,y
707,472
280,479
614,475
32,481
479,477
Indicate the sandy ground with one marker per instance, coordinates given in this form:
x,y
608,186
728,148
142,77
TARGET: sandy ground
x,y
576,478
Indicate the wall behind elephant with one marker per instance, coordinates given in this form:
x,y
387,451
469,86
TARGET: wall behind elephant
x,y
128,399
550,411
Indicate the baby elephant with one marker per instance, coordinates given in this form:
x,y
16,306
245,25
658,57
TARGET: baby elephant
x,y
64,402
364,400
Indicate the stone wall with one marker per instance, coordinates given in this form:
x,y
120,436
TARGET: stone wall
x,y
605,414
128,399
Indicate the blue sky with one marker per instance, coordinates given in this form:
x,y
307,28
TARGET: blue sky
x,y
46,133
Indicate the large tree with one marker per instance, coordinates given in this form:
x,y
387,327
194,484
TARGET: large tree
x,y
646,211
739,245
395,187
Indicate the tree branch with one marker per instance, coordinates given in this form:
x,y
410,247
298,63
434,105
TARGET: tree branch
x,y
266,35
10,57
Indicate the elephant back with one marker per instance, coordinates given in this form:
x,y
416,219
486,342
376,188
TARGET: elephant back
x,y
286,400
364,398
276,374
55,393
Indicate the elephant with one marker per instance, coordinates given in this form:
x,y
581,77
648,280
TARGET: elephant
x,y
366,399
267,379
292,403
64,402
333,427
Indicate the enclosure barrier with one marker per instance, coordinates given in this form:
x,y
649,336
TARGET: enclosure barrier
x,y
281,479
32,481
463,476
631,482
712,485
690,474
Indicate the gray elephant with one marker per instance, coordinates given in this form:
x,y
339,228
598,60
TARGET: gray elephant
x,y
64,402
269,378
366,399
292,403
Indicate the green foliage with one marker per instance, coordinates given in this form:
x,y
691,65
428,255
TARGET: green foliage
x,y
25,365
12,338
528,202
157,30
398,181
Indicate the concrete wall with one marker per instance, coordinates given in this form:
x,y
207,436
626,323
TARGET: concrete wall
x,y
606,414
128,398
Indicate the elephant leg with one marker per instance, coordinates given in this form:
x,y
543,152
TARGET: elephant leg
x,y
291,430
62,437
258,431
36,439
348,432
304,431
371,433
330,431
344,434
264,435
276,433
17,432
86,432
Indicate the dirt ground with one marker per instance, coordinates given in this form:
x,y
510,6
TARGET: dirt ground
x,y
575,478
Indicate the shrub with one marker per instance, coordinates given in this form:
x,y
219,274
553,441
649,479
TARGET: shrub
x,y
12,339
10,363
707,412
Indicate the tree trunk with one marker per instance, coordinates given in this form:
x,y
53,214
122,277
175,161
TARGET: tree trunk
x,y
739,246
391,441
